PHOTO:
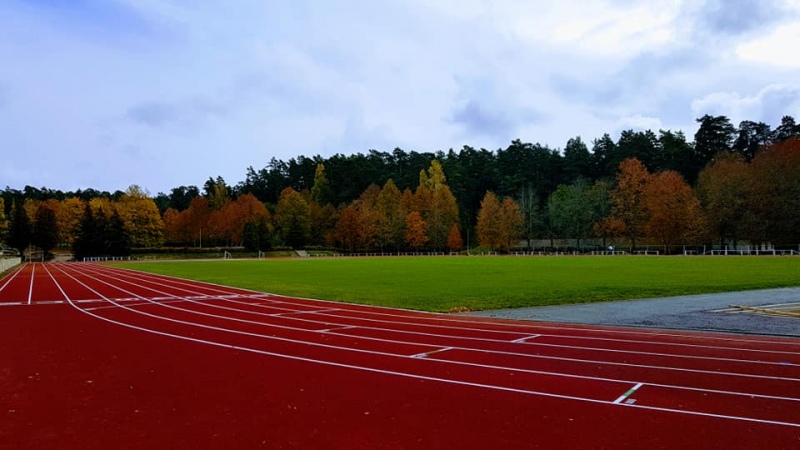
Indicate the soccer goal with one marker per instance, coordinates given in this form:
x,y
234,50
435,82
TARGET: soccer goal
x,y
226,255
261,255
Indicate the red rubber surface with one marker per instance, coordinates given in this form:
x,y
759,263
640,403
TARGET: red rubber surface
x,y
97,357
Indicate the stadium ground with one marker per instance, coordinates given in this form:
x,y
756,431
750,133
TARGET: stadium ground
x,y
99,357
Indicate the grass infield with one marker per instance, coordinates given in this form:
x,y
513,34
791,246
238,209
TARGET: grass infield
x,y
479,283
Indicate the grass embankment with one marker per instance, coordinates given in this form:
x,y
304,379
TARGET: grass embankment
x,y
443,283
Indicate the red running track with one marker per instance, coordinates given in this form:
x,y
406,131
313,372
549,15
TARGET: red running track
x,y
103,357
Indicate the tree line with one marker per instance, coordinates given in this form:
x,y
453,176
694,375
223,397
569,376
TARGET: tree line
x,y
726,183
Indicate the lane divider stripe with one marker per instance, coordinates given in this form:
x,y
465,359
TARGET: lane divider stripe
x,y
328,330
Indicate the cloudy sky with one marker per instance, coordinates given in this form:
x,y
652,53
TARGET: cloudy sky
x,y
163,93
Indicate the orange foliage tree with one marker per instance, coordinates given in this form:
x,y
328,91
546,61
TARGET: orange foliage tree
x,y
629,213
454,241
674,213
489,222
722,190
510,224
347,227
416,230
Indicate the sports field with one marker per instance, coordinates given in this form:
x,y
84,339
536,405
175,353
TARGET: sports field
x,y
479,283
103,357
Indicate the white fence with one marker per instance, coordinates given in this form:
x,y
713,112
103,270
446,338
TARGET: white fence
x,y
7,263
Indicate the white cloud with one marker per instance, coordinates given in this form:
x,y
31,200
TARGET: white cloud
x,y
769,104
779,48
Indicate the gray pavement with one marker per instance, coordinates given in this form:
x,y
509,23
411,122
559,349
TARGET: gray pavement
x,y
692,312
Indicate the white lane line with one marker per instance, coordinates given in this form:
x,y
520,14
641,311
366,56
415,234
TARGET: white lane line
x,y
578,347
732,349
627,394
382,322
9,279
30,290
522,340
402,374
328,330
736,374
432,345
432,352
292,313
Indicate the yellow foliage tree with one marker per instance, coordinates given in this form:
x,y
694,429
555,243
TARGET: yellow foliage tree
x,y
141,218
68,217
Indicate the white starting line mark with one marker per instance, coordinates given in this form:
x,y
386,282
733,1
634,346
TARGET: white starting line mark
x,y
523,340
426,354
628,394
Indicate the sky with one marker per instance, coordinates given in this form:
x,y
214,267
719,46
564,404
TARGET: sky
x,y
105,94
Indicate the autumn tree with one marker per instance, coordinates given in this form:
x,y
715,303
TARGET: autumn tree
x,y
674,213
141,217
292,217
722,191
416,230
629,213
45,229
437,204
68,217
369,218
173,229
774,194
347,229
454,241
31,205
489,223
511,222
391,227
194,219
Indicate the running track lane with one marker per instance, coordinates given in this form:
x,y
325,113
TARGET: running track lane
x,y
548,379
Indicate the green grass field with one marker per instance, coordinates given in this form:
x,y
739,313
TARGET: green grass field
x,y
479,283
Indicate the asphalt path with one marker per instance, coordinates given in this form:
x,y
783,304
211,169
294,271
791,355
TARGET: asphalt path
x,y
708,312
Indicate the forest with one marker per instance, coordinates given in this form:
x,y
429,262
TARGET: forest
x,y
730,184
